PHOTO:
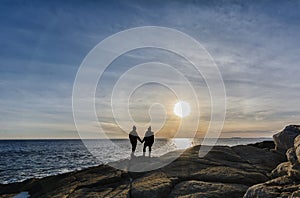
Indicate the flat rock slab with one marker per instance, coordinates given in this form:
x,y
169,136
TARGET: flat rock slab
x,y
156,185
229,175
207,190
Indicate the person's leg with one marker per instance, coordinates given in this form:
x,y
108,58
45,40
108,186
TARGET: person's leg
x,y
150,150
133,146
144,149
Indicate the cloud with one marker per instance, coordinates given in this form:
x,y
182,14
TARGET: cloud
x,y
255,45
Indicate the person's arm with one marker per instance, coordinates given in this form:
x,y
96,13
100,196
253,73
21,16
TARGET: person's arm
x,y
139,139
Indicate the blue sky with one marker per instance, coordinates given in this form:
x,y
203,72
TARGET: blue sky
x,y
254,43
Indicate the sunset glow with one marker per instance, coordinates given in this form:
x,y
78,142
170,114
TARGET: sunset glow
x,y
182,109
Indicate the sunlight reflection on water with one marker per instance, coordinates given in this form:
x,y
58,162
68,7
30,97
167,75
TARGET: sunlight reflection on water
x,y
182,143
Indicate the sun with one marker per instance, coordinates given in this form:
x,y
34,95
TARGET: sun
x,y
182,109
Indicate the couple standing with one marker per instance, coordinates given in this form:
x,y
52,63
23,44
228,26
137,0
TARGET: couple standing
x,y
148,139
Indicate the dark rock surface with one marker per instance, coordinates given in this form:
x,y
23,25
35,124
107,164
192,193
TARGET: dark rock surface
x,y
223,172
285,139
285,182
194,188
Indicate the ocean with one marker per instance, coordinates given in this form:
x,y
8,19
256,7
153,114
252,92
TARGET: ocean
x,y
24,159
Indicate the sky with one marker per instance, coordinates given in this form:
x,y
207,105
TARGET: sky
x,y
255,44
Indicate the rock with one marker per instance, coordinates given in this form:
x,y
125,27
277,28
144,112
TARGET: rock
x,y
229,175
294,172
297,147
296,194
94,180
297,141
261,191
121,190
245,165
292,167
264,159
223,172
154,185
282,169
291,155
286,182
285,139
207,189
276,188
264,144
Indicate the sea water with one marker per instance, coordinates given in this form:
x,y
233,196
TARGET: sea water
x,y
24,159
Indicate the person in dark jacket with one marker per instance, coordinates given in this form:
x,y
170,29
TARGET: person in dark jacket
x,y
133,137
149,140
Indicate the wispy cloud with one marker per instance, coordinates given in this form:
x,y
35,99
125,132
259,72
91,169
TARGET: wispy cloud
x,y
255,45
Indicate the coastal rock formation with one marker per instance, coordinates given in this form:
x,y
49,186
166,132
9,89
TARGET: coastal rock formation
x,y
156,184
285,139
97,181
286,178
224,172
297,149
196,188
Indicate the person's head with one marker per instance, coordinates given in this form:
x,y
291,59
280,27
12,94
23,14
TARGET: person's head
x,y
149,128
134,128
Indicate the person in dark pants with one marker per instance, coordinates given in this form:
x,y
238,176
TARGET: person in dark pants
x,y
133,137
149,140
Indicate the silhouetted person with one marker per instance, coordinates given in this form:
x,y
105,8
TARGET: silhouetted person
x,y
133,137
149,140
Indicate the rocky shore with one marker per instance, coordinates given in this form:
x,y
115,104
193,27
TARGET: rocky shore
x,y
266,169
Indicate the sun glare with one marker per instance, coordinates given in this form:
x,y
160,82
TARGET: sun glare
x,y
182,109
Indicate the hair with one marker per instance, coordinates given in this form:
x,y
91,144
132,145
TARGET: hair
x,y
134,127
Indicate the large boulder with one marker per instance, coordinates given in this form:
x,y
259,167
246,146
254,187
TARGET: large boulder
x,y
276,188
286,177
285,139
297,148
282,169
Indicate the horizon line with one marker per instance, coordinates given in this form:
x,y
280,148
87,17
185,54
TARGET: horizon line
x,y
9,139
